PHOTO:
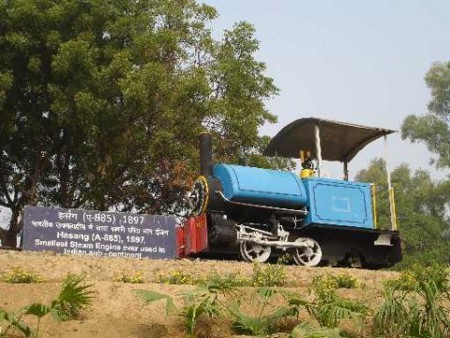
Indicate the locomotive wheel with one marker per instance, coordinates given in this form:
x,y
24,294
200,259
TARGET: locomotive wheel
x,y
252,252
310,255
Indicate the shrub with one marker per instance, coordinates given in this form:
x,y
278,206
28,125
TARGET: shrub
x,y
203,301
392,317
415,305
74,296
199,303
343,280
328,308
177,277
19,276
409,279
14,320
308,330
11,321
132,278
269,275
230,280
265,321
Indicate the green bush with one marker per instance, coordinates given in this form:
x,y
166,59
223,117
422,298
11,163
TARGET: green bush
x,y
263,275
18,275
415,305
409,280
328,308
345,281
177,277
230,280
74,296
309,330
129,277
329,281
269,275
202,302
267,315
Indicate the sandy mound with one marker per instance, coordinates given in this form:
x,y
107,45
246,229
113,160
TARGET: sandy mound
x,y
118,312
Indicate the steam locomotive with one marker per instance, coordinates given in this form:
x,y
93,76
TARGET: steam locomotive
x,y
264,213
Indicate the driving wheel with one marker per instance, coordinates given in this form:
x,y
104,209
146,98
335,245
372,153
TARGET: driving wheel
x,y
308,255
252,252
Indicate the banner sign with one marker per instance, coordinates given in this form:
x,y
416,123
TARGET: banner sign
x,y
97,233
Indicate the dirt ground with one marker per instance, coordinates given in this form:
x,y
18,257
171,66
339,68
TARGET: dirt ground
x,y
118,312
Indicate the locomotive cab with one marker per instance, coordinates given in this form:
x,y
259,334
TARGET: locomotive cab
x,y
317,220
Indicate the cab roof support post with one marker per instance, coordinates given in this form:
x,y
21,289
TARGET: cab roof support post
x,y
318,150
345,170
390,189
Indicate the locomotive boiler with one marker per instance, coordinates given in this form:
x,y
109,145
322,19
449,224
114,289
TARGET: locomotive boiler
x,y
264,213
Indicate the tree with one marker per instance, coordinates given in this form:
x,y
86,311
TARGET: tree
x,y
101,102
421,211
433,128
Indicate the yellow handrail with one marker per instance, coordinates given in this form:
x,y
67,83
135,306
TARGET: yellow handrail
x,y
393,210
374,204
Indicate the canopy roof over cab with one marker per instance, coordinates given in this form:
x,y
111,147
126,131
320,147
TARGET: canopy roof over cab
x,y
339,141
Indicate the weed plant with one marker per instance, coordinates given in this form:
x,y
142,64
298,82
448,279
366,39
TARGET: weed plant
x,y
269,275
10,322
74,297
267,316
415,305
14,321
329,281
177,277
129,277
18,275
409,279
311,330
231,280
328,308
203,301
266,275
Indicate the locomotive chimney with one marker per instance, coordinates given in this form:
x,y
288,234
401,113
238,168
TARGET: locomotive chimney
x,y
206,161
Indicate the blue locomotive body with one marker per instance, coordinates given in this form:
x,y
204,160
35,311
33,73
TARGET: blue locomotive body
x,y
338,203
329,202
260,186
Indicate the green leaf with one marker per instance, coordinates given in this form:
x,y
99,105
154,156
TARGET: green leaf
x,y
37,309
152,296
74,296
308,330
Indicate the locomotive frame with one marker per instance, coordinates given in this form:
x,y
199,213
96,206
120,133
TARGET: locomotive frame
x,y
263,213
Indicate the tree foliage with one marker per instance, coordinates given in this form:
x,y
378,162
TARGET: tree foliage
x,y
421,211
101,101
433,128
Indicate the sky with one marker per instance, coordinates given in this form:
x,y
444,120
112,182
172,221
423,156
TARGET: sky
x,y
349,60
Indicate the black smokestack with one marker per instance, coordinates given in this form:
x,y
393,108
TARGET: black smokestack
x,y
206,161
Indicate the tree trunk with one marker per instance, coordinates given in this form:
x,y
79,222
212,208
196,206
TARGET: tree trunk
x,y
8,238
